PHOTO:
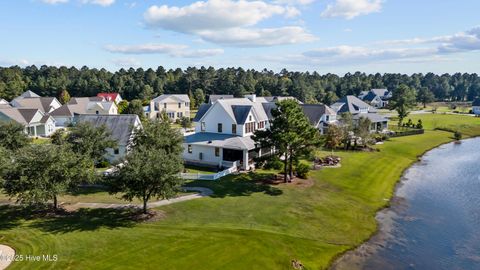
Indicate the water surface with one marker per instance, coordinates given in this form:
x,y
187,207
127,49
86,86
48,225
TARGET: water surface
x,y
434,221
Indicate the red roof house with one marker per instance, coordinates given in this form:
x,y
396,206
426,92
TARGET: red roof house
x,y
111,97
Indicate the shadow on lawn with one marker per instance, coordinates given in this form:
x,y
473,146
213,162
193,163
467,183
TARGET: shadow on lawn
x,y
12,216
239,185
86,219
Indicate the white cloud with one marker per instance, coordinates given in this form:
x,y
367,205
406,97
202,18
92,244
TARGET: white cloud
x,y
350,9
228,22
243,37
7,62
173,50
293,2
53,2
126,62
104,3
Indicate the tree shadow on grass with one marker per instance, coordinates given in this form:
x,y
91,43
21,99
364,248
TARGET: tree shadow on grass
x,y
244,184
12,216
86,219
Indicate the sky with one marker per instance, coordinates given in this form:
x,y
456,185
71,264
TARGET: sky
x,y
327,36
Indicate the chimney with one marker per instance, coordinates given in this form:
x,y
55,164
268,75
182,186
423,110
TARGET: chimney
x,y
252,97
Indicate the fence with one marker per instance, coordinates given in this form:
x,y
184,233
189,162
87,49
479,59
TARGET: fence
x,y
211,177
407,132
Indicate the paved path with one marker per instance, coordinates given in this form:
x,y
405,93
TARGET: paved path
x,y
204,192
6,256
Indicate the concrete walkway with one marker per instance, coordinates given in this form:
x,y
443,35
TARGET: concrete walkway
x,y
204,192
6,256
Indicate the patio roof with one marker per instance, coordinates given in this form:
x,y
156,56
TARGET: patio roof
x,y
221,140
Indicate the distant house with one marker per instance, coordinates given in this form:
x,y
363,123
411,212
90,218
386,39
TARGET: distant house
x,y
4,103
378,98
115,97
213,98
476,106
359,109
320,116
122,128
175,106
36,122
83,105
31,100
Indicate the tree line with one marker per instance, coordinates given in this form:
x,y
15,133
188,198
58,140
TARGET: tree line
x,y
309,87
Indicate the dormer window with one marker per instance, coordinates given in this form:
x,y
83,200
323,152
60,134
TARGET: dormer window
x,y
250,118
220,128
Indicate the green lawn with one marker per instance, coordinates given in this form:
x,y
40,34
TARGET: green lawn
x,y
197,169
245,225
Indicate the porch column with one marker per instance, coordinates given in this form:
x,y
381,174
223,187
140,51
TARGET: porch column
x,y
245,159
35,131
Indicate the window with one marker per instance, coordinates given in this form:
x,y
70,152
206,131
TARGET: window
x,y
157,106
186,104
220,128
97,112
164,105
250,118
116,151
202,126
179,105
234,129
200,156
217,151
179,114
327,118
190,148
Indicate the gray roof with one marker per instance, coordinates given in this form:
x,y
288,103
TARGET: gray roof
x,y
201,112
268,107
221,140
374,117
241,112
41,103
370,96
380,92
315,111
3,102
228,104
21,115
181,98
214,98
351,104
28,94
121,126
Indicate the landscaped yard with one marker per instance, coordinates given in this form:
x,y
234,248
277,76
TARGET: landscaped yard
x,y
245,225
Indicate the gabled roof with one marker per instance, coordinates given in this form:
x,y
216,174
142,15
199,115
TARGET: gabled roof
x,y
374,117
181,98
108,96
380,92
3,102
268,107
85,100
241,112
371,96
28,94
476,102
42,103
314,112
201,112
21,115
121,126
351,104
228,104
214,98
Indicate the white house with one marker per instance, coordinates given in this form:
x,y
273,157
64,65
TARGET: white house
x,y
223,133
122,128
35,121
83,105
378,98
115,97
359,109
320,116
476,106
175,106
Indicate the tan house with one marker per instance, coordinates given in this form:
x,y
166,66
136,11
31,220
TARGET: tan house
x,y
83,105
175,106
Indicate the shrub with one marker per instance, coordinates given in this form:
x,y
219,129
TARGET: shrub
x,y
419,124
457,135
274,163
302,170
103,164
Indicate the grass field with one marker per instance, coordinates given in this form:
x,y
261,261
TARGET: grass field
x,y
244,225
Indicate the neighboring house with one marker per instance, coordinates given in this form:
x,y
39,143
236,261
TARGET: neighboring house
x,y
476,106
320,116
122,128
275,99
35,121
31,100
175,106
83,105
223,133
358,109
378,98
115,97
213,98
4,103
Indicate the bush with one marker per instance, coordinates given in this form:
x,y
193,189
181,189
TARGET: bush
x,y
457,135
419,124
103,164
302,170
274,163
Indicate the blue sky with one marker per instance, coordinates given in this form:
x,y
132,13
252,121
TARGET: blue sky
x,y
335,36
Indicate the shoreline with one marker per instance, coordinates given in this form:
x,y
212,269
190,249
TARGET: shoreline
x,y
381,215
